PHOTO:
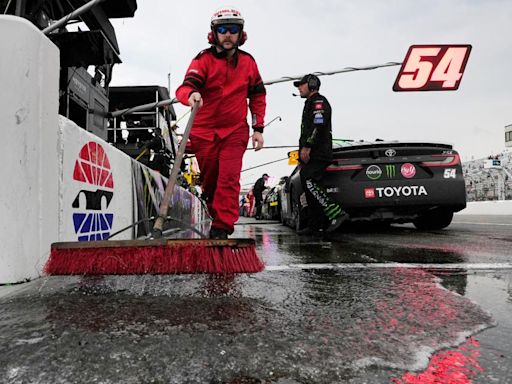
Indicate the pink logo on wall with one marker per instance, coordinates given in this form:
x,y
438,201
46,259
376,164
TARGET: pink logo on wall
x,y
408,170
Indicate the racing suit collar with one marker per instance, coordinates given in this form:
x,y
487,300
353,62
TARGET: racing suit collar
x,y
223,54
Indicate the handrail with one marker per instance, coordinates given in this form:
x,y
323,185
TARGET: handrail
x,y
64,20
142,107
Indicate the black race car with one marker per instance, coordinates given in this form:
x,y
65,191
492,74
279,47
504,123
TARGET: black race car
x,y
271,208
386,182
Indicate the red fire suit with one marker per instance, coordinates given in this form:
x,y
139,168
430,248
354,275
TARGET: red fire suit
x,y
220,132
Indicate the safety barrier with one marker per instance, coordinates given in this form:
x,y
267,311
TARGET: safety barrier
x,y
495,207
60,182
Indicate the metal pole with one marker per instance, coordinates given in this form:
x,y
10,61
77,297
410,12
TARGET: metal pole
x,y
115,130
63,21
169,188
261,165
347,69
143,107
274,119
157,117
7,7
20,8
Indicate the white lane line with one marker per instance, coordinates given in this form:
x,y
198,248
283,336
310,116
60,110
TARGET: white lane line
x,y
455,266
476,223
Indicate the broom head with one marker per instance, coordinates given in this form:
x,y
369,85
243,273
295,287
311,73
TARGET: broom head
x,y
161,256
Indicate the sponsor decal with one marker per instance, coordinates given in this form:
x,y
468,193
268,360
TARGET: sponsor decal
x,y
332,190
369,193
318,120
293,157
220,12
92,170
319,105
390,152
373,172
402,191
390,171
408,170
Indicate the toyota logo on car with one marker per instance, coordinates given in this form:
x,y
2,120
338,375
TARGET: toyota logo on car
x,y
390,152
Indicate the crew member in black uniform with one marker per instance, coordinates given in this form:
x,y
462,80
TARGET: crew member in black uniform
x,y
315,155
257,191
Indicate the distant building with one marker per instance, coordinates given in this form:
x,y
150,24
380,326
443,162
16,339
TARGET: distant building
x,y
489,178
508,135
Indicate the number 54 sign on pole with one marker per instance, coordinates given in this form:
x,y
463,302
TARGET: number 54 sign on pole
x,y
432,68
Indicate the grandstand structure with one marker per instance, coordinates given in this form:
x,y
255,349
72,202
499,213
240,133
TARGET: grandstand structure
x,y
489,178
508,135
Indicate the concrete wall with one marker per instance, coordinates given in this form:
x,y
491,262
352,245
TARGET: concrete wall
x,y
60,182
497,207
29,82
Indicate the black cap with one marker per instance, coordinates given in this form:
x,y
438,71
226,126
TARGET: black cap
x,y
264,175
309,78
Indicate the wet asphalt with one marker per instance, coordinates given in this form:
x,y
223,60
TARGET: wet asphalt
x,y
366,305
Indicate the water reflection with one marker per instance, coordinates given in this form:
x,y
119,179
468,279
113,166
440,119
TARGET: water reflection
x,y
458,366
283,246
314,326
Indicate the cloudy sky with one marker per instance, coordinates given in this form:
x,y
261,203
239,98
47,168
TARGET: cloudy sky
x,y
293,37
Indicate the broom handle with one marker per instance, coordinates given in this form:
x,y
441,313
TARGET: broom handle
x,y
164,205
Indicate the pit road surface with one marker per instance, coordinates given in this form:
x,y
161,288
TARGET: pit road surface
x,y
366,305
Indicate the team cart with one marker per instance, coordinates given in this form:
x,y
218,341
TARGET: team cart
x,y
386,182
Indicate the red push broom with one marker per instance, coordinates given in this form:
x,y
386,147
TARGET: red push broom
x,y
156,255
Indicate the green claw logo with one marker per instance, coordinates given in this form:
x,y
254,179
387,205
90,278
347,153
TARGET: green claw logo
x,y
390,171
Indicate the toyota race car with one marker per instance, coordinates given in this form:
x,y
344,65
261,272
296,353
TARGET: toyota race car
x,y
271,208
386,182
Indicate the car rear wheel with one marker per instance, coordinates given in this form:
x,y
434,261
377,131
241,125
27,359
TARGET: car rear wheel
x,y
435,219
299,215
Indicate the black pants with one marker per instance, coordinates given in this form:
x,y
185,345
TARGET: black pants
x,y
319,203
258,201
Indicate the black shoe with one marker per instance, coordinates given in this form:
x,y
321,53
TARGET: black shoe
x,y
335,223
310,232
218,234
305,231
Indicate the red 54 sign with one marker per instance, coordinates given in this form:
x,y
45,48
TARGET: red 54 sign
x,y
432,68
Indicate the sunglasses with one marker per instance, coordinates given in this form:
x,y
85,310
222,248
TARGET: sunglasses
x,y
231,28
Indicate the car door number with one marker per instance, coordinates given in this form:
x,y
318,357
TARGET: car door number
x,y
450,173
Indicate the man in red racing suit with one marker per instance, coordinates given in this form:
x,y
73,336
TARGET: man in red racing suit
x,y
221,79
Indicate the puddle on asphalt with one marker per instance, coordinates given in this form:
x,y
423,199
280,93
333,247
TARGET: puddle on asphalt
x,y
288,248
395,244
309,326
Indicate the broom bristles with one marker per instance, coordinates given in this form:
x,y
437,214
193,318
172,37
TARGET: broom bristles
x,y
169,259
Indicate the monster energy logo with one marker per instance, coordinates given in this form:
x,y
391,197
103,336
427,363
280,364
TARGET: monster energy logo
x,y
390,170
